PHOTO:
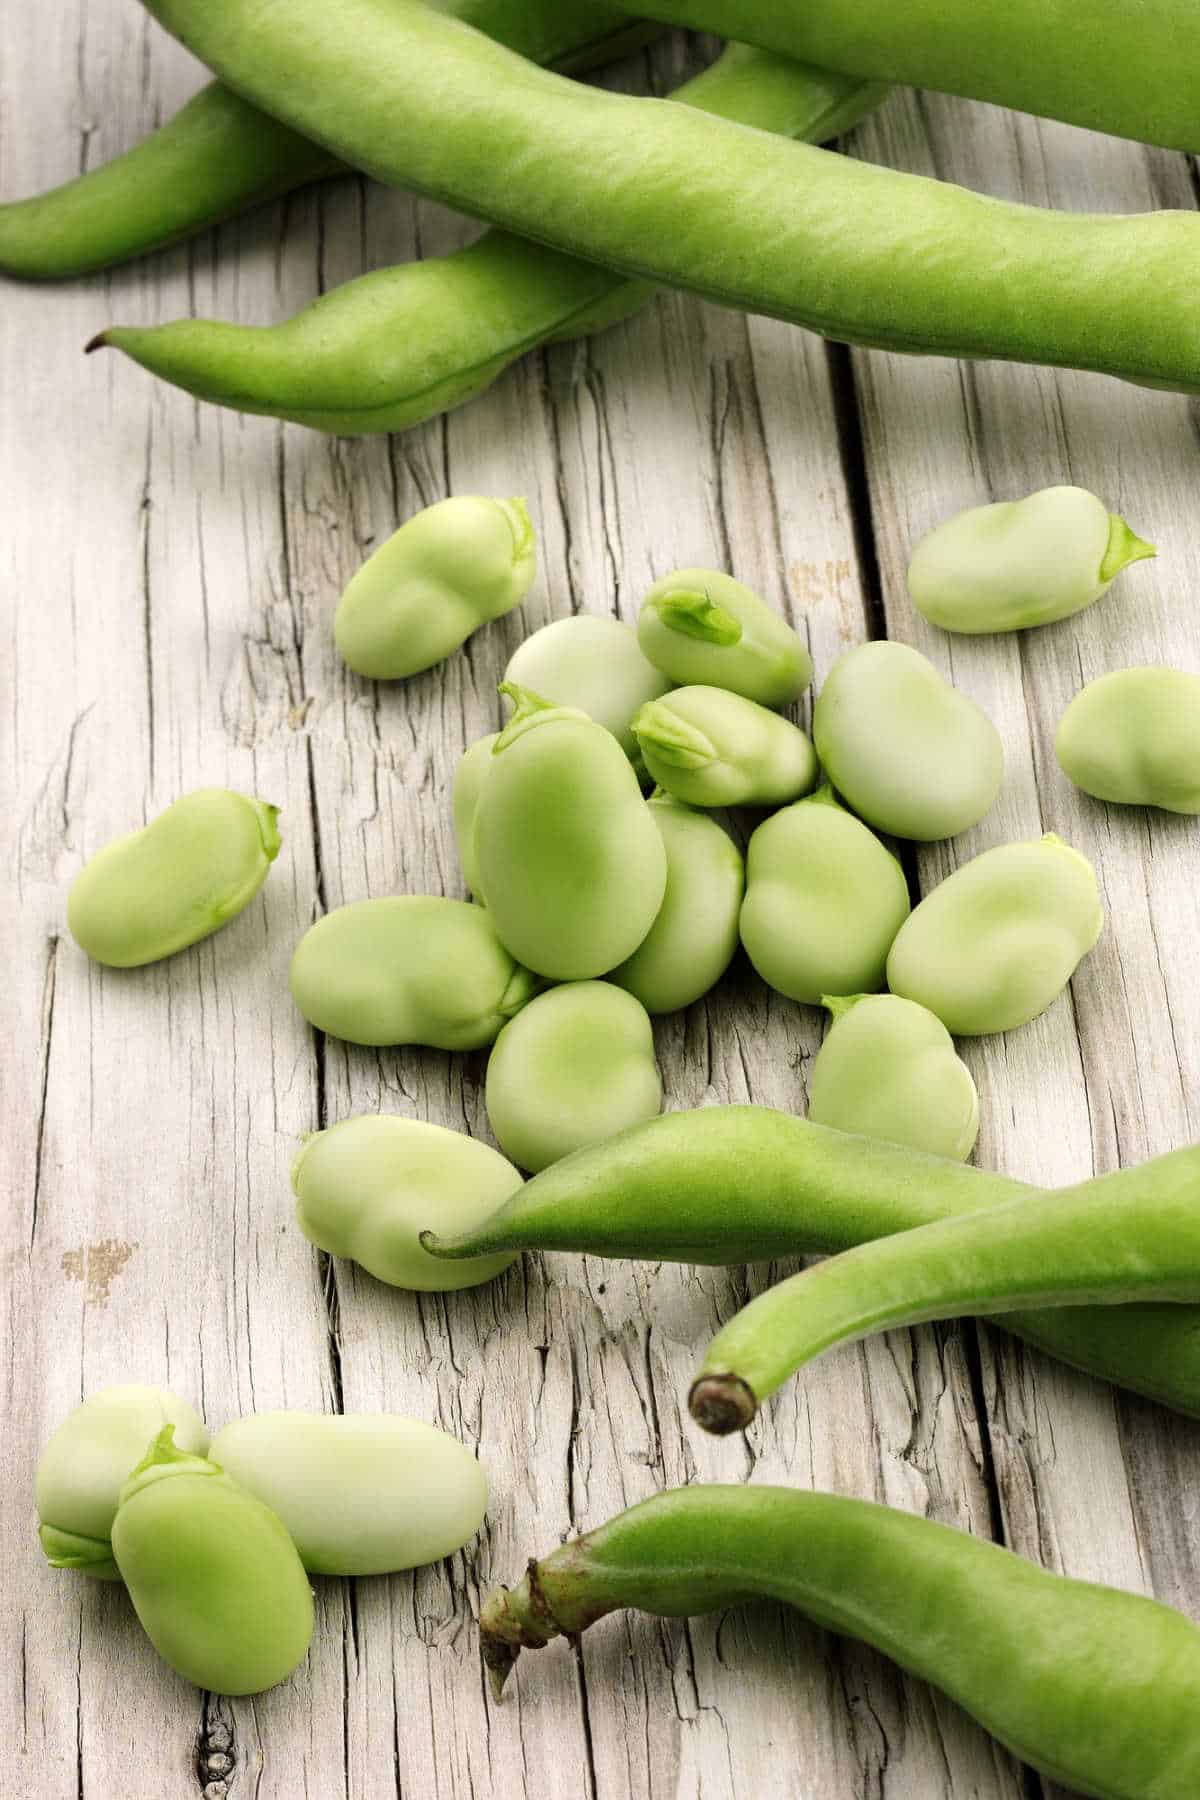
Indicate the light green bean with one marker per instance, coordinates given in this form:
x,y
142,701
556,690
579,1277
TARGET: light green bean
x,y
703,628
593,664
710,747
888,1069
693,938
1133,737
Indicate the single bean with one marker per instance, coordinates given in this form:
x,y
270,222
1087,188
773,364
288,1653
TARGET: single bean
x,y
400,345
359,1493
738,1184
887,1069
80,1472
996,943
449,569
569,859
911,754
1094,1687
1018,563
368,1186
469,777
593,664
575,1066
177,880
1133,737
428,104
824,901
692,940
710,747
703,628
213,1575
414,969
1130,1236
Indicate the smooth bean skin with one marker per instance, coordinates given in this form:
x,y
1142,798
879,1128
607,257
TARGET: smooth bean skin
x,y
413,969
1096,1688
469,777
1133,738
888,1069
366,1188
996,943
824,901
570,862
449,569
177,880
359,1493
911,754
82,1468
425,103
214,1577
573,1068
703,628
710,747
1017,563
693,938
593,664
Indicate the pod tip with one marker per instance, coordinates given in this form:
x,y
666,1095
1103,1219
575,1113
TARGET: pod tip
x,y
99,342
722,1404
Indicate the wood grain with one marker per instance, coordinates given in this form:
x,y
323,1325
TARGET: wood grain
x,y
170,574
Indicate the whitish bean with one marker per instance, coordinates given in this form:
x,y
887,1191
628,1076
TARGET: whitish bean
x,y
710,747
703,628
594,664
888,1069
691,942
1133,737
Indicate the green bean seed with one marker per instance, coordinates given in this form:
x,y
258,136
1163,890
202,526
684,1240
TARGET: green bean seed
x,y
703,628
174,882
213,1575
996,943
569,859
710,747
887,1069
593,664
1133,737
574,1067
80,1472
413,969
911,754
359,1493
469,777
1018,563
824,900
692,940
449,569
367,1187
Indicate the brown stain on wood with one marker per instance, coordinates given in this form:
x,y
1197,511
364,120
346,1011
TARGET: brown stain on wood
x,y
97,1266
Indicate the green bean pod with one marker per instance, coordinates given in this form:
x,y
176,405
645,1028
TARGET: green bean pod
x,y
703,628
212,1573
425,103
888,1069
1130,1236
177,880
593,664
695,932
736,1184
1096,1688
1133,738
708,746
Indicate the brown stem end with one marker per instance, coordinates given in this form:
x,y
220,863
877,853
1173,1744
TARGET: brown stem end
x,y
99,342
722,1404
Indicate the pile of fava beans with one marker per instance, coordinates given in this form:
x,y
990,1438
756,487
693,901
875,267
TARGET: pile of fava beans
x,y
606,891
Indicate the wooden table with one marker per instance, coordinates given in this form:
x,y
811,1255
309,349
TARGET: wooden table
x,y
170,573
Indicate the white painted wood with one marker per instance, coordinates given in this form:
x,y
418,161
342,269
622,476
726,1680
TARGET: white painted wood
x,y
169,574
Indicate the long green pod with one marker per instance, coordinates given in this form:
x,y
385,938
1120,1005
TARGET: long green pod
x,y
1095,1688
219,155
1130,1236
403,344
736,1184
859,253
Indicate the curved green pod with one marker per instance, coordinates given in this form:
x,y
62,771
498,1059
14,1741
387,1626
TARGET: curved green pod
x,y
1017,563
575,1066
1094,1687
996,943
470,774
824,901
737,1184
452,567
81,1470
413,969
695,932
911,754
177,880
214,1578
703,628
1133,738
593,664
359,1493
570,862
1131,1236
888,1069
366,1188
709,747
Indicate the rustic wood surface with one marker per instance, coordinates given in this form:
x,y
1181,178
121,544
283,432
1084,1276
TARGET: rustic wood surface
x,y
169,575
